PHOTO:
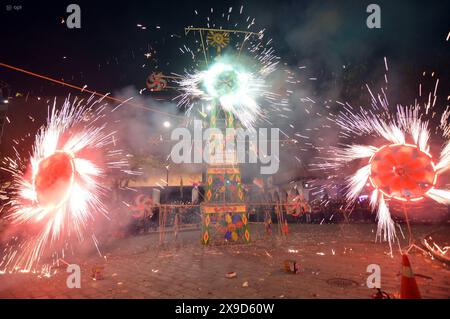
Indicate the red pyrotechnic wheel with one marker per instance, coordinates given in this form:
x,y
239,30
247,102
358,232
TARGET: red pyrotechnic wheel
x,y
54,179
402,171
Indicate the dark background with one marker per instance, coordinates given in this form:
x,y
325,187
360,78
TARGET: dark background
x,y
330,38
107,53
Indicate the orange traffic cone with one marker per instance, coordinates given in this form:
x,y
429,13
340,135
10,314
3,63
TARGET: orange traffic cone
x,y
408,288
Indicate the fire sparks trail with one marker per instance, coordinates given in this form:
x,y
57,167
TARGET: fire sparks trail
x,y
435,250
57,195
84,89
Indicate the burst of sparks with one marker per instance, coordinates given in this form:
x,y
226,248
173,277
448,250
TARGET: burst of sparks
x,y
235,90
71,131
240,81
408,126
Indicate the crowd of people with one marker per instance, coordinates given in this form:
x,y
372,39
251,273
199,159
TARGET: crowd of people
x,y
332,212
329,211
320,212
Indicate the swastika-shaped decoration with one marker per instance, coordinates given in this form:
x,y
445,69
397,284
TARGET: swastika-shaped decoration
x,y
156,82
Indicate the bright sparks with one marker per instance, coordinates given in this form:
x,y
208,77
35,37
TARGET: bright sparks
x,y
235,71
396,170
58,193
397,164
229,86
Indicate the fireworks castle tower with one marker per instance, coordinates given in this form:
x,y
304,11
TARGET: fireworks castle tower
x,y
224,213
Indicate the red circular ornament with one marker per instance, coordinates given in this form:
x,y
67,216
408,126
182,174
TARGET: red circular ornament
x,y
156,82
402,171
54,179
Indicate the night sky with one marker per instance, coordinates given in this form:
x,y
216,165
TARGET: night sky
x,y
107,53
330,38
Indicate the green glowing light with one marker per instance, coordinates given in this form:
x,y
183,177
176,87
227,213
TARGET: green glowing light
x,y
224,81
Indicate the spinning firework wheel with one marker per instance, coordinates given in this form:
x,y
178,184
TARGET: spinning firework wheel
x,y
402,171
54,179
156,82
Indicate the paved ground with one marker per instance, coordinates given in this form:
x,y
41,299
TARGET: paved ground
x,y
333,261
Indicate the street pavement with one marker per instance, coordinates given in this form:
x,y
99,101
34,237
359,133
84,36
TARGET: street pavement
x,y
332,259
